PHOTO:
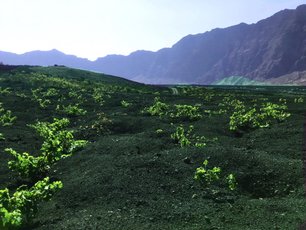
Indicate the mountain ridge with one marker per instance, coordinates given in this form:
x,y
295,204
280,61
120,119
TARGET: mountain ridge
x,y
262,51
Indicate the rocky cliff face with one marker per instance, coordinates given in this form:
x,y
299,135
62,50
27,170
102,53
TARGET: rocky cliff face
x,y
268,49
264,51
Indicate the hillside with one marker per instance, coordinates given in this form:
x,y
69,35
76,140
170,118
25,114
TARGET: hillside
x,y
144,147
270,50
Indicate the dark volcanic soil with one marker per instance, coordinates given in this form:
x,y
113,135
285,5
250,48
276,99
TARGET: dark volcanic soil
x,y
132,177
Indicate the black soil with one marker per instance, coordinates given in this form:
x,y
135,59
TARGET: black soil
x,y
130,177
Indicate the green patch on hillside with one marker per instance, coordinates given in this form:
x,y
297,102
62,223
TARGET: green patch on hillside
x,y
238,80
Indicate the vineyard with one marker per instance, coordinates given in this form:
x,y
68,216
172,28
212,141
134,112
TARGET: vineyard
x,y
81,150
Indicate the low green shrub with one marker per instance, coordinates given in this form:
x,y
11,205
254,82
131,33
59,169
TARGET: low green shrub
x,y
27,165
39,96
158,108
5,91
182,136
231,181
6,118
58,143
20,208
99,96
71,110
75,95
102,124
159,132
125,104
208,176
298,100
186,113
186,137
51,92
244,118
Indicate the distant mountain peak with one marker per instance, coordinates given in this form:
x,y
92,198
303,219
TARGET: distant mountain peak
x,y
55,51
301,7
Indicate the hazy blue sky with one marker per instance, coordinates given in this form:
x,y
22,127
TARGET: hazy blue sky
x,y
95,28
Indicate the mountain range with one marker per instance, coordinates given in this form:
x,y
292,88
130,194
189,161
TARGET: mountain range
x,y
271,50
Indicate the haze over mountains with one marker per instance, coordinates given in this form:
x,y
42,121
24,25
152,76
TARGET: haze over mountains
x,y
273,50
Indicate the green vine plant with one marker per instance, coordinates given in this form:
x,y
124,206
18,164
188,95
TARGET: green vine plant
x,y
229,104
5,91
99,95
51,92
71,110
157,109
178,113
6,117
200,92
231,181
159,132
101,125
182,136
26,165
43,103
76,95
298,100
38,96
244,118
209,176
125,104
186,113
19,209
58,143
186,137
21,95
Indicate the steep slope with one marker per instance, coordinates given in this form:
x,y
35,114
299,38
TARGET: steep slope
x,y
268,49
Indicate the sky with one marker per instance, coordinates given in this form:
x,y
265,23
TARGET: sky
x,y
96,28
